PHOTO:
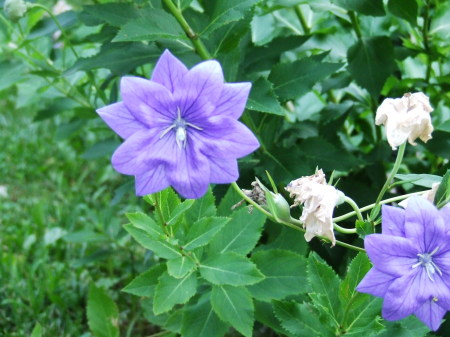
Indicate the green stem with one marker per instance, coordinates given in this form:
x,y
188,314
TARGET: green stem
x,y
344,230
352,203
301,18
195,39
355,24
426,46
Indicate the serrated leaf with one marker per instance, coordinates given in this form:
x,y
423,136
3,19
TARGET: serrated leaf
x,y
203,231
102,313
425,180
283,278
227,11
167,200
405,9
367,7
171,291
299,319
265,315
157,24
146,223
240,234
407,327
324,282
180,210
364,228
115,14
263,99
234,305
231,269
443,192
200,320
160,247
205,206
294,79
357,269
180,267
144,284
371,62
230,199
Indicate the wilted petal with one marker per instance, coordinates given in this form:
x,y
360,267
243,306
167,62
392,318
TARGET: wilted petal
x,y
391,254
199,91
152,180
223,171
423,224
233,99
431,314
393,221
148,101
227,138
169,71
375,283
120,119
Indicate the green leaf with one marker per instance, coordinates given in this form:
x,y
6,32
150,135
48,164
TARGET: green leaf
x,y
407,327
230,268
364,228
263,99
146,223
180,210
179,267
240,234
405,9
371,62
102,313
230,199
294,79
357,269
425,180
160,247
300,319
443,192
203,231
227,11
205,206
11,72
37,331
115,14
166,200
144,284
101,149
367,7
324,281
120,58
171,291
283,278
156,25
200,320
265,315
234,305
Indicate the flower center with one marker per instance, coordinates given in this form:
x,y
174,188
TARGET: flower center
x,y
180,126
426,261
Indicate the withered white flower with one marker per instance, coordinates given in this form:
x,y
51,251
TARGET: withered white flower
x,y
428,194
319,201
406,118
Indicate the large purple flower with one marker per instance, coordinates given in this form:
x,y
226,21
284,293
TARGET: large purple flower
x,y
180,128
411,262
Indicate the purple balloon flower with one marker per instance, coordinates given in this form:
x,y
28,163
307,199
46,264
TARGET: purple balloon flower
x,y
180,128
411,262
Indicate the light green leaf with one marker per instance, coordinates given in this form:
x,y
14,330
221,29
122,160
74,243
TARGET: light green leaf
x,y
284,273
367,7
294,79
263,99
239,235
405,9
442,196
171,291
227,11
180,267
37,331
160,247
203,231
234,305
425,180
102,313
202,207
200,320
146,223
180,210
166,200
371,62
230,268
10,73
144,284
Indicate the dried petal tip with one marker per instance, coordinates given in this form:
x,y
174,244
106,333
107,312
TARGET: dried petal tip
x,y
406,118
15,9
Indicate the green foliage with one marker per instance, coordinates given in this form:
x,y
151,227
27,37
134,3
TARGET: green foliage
x,y
102,313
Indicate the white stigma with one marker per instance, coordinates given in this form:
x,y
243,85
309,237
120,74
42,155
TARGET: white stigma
x,y
426,260
180,126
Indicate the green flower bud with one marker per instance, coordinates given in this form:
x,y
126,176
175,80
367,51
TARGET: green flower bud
x,y
278,206
15,9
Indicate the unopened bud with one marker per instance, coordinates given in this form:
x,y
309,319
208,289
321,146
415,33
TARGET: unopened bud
x,y
14,9
278,206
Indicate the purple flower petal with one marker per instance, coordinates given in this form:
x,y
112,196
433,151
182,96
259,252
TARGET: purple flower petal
x,y
375,283
233,99
120,119
199,91
445,213
391,254
393,222
227,138
152,180
169,71
149,102
223,171
423,224
431,314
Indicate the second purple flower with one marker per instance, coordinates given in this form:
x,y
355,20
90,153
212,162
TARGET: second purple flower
x,y
180,128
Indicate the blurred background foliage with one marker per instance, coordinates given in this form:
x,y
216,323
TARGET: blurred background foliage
x,y
319,70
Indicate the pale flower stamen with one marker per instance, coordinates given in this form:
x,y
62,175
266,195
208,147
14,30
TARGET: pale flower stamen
x,y
426,261
180,126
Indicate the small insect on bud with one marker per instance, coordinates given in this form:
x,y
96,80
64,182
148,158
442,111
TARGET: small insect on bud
x,y
15,9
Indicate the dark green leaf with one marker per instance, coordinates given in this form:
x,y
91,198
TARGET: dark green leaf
x,y
203,231
115,14
202,207
405,9
364,228
367,7
263,99
100,149
144,284
102,313
180,266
